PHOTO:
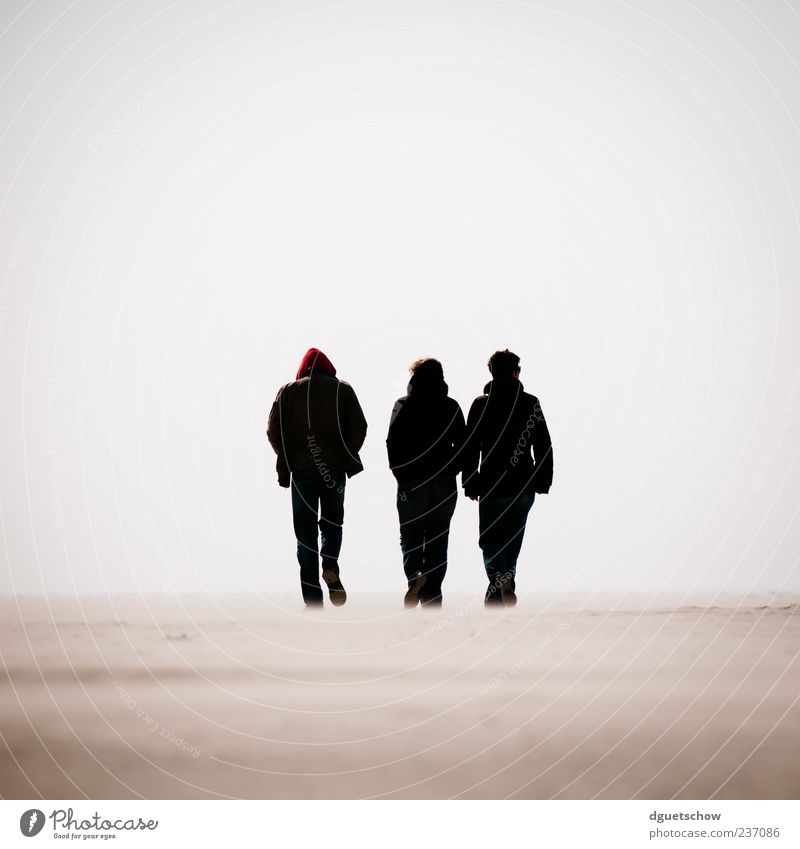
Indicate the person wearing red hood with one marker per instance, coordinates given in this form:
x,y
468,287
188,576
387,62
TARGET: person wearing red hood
x,y
316,427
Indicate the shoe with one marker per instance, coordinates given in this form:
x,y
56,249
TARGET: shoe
x,y
508,595
414,587
431,601
492,597
335,588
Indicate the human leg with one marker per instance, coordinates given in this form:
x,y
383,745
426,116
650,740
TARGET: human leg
x,y
305,505
410,508
441,503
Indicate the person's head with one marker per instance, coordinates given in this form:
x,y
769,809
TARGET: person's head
x,y
315,362
427,367
427,378
504,364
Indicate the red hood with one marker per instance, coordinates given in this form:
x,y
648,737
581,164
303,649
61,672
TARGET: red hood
x,y
316,360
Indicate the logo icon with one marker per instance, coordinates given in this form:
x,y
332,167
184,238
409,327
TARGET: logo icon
x,y
31,822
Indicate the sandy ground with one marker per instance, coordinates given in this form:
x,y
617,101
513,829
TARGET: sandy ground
x,y
254,698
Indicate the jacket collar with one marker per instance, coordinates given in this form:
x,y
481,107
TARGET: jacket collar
x,y
503,384
427,383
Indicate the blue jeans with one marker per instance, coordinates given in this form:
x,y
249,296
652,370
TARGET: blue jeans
x,y
502,526
425,511
318,513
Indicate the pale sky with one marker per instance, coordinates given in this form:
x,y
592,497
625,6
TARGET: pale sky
x,y
195,193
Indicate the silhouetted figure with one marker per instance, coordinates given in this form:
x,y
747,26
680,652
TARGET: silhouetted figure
x,y
504,426
317,428
426,433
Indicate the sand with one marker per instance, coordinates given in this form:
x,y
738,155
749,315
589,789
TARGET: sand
x,y
247,697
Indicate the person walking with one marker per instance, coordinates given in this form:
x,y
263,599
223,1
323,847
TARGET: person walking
x,y
317,428
426,433
508,436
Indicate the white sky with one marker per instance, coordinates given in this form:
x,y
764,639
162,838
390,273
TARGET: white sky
x,y
194,194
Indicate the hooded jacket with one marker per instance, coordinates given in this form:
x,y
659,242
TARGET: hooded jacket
x,y
426,431
507,433
314,360
316,421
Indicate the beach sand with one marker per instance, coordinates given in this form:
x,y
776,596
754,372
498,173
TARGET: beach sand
x,y
248,697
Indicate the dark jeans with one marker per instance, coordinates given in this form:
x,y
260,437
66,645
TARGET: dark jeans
x,y
425,511
317,503
502,526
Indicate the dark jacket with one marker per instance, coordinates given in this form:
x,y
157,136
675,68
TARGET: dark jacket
x,y
426,431
317,422
504,425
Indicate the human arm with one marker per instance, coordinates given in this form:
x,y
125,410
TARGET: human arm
x,y
393,437
542,452
457,436
471,450
354,424
275,437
